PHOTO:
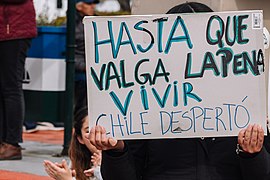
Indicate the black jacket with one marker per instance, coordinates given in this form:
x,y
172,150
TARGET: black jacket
x,y
185,159
80,64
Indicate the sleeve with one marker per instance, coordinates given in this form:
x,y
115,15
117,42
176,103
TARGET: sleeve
x,y
80,65
125,165
258,166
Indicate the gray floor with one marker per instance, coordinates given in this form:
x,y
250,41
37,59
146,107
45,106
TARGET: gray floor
x,y
33,157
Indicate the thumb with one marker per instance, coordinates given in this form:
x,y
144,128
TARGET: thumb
x,y
65,166
89,172
112,142
87,135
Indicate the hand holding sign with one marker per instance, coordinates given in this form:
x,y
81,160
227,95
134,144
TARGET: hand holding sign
x,y
251,139
99,139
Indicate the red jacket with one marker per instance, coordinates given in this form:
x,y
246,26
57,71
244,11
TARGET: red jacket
x,y
17,19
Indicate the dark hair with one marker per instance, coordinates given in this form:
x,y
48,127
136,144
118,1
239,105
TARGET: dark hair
x,y
79,154
189,7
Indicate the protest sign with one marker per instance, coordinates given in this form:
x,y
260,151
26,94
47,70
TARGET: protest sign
x,y
176,76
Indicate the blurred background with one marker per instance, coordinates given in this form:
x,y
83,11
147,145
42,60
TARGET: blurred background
x,y
54,11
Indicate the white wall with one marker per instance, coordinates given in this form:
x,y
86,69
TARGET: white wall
x,y
162,6
49,7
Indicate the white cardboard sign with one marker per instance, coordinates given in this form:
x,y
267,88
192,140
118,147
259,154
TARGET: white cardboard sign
x,y
176,76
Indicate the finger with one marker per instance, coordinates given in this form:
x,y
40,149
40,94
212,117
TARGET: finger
x,y
260,138
87,136
45,165
46,161
59,165
50,170
94,160
99,153
112,142
92,136
104,139
247,135
51,174
73,173
65,166
89,172
241,137
53,167
98,137
254,137
94,156
47,171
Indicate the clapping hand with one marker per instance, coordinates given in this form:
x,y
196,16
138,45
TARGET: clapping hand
x,y
89,172
96,158
58,171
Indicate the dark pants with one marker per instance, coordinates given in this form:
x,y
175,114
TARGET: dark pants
x,y
12,60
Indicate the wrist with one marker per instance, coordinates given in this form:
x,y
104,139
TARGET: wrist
x,y
243,153
116,152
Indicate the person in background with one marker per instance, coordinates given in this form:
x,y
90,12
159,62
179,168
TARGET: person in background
x,y
84,8
17,27
85,158
224,158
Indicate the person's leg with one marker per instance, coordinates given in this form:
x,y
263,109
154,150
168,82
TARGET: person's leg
x,y
3,60
13,54
1,116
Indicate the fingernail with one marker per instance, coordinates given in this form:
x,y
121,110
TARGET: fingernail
x,y
112,141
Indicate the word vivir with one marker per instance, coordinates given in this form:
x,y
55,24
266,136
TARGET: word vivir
x,y
161,98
